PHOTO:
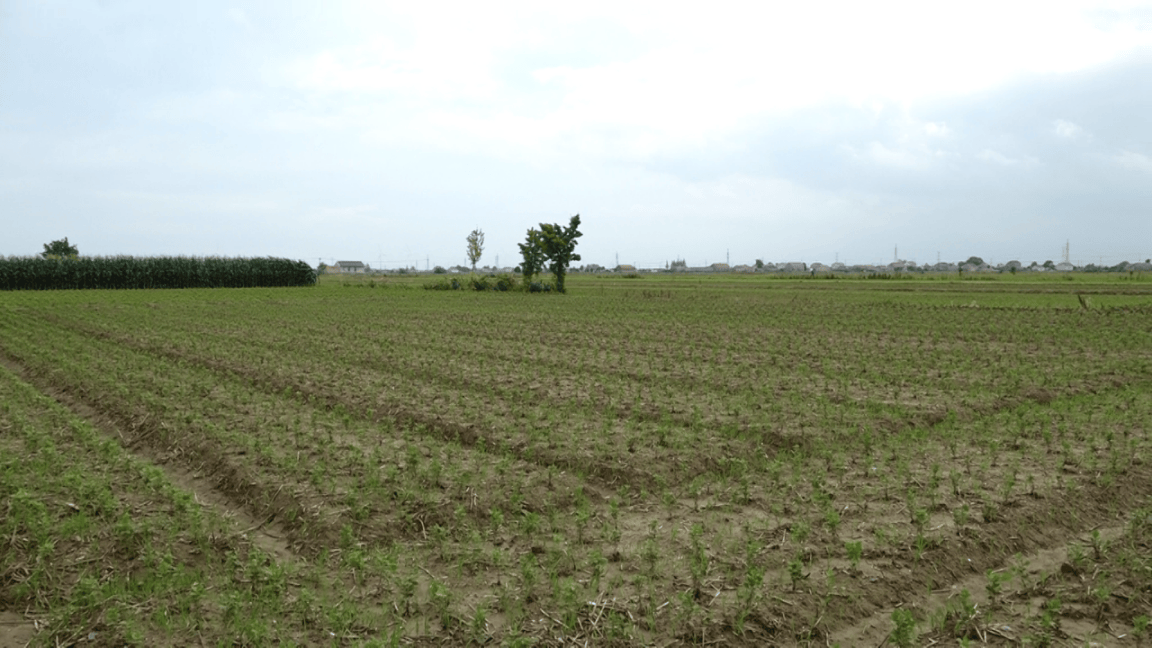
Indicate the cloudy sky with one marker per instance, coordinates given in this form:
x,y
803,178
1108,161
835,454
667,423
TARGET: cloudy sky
x,y
385,132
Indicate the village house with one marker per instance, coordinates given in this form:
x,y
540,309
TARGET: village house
x,y
351,267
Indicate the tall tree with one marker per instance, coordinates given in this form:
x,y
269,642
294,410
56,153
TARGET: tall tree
x,y
532,252
559,246
475,246
59,249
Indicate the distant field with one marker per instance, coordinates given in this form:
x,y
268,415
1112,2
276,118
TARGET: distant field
x,y
662,460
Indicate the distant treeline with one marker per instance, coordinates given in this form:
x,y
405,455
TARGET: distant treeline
x,y
126,272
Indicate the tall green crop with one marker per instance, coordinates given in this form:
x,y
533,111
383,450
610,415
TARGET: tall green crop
x,y
126,272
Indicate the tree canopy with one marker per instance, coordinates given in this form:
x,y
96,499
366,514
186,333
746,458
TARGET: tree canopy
x,y
532,253
59,249
475,246
559,246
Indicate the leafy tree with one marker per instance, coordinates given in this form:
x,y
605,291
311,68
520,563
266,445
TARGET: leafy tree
x,y
475,246
532,251
559,246
59,249
759,264
1049,265
974,260
439,270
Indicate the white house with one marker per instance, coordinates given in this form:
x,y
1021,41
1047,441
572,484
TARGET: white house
x,y
353,267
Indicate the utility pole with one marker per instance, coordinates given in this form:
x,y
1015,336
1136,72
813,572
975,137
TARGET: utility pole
x,y
727,257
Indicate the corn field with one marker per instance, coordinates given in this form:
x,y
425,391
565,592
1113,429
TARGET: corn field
x,y
127,272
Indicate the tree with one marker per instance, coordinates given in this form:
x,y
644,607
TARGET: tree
x,y
559,246
532,252
59,249
975,260
475,246
759,264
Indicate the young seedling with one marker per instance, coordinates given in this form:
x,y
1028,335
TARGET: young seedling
x,y
995,585
699,561
1099,545
904,634
855,551
960,516
796,572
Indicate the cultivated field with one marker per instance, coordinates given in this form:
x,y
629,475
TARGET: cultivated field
x,y
665,460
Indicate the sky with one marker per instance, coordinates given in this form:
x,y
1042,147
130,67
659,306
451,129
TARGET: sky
x,y
385,132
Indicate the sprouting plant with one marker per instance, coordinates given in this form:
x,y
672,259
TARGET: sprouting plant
x,y
921,545
796,571
920,519
855,551
832,520
698,563
1009,484
1140,626
440,599
960,515
1099,546
1050,617
800,531
1077,556
480,623
904,634
989,511
749,592
995,584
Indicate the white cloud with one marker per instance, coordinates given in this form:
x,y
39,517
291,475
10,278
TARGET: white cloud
x,y
685,77
1067,129
933,129
901,158
996,157
1135,161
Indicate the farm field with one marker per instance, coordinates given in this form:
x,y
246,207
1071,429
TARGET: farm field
x,y
665,460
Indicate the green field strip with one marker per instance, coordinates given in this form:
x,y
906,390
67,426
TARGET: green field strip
x,y
103,548
386,480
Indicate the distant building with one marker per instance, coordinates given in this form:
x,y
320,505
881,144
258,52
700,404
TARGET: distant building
x,y
720,267
624,267
352,267
1064,266
794,266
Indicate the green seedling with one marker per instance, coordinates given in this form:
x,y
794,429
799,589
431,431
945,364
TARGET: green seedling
x,y
855,551
904,633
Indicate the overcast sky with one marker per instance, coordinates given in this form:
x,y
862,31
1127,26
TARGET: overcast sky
x,y
386,132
